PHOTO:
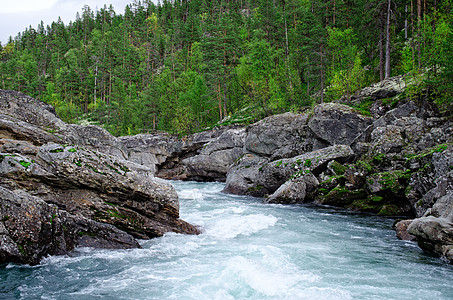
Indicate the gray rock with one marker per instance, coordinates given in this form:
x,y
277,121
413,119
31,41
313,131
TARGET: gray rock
x,y
388,139
254,176
401,231
408,109
242,176
337,124
279,136
31,229
216,157
297,190
434,230
97,186
387,88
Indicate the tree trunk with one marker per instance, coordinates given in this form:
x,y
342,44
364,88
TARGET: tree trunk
x,y
381,48
322,76
405,22
95,83
387,45
219,98
419,19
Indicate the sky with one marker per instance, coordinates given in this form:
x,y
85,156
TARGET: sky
x,y
16,15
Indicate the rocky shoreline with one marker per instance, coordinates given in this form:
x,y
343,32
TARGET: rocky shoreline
x,y
66,185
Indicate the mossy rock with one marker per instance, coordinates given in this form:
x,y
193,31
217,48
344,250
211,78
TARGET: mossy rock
x,y
337,168
340,197
365,205
389,210
388,183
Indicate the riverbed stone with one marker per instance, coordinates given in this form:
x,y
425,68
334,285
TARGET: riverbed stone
x,y
297,190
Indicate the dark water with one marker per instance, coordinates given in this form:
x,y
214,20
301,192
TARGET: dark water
x,y
248,250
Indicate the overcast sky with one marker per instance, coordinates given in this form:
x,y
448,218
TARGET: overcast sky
x,y
16,15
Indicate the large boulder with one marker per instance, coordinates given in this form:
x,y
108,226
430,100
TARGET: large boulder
x,y
242,176
66,185
97,186
25,118
254,176
279,136
216,157
297,190
337,124
384,89
30,228
434,231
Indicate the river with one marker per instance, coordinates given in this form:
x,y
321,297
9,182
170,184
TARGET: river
x,y
248,250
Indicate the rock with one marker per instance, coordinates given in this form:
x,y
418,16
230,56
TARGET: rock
x,y
29,110
408,109
387,88
401,231
216,157
340,197
434,230
26,118
78,178
435,234
378,109
279,136
31,229
252,176
297,190
337,124
388,139
355,179
431,177
242,176
97,186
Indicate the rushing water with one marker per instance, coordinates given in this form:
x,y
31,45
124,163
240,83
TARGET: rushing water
x,y
249,250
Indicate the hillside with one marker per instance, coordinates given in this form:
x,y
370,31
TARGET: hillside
x,y
182,66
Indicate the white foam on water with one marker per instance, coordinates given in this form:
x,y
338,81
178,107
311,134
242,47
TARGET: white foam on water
x,y
191,194
242,273
232,226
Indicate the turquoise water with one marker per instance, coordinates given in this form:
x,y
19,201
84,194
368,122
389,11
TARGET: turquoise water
x,y
248,250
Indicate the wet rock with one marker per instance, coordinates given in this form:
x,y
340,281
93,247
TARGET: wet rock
x,y
216,157
242,176
297,190
30,229
265,178
401,231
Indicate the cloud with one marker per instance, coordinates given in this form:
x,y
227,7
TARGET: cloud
x,y
24,6
17,15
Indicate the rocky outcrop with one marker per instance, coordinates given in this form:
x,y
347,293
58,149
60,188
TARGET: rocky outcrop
x,y
434,227
280,136
283,146
65,185
30,228
396,163
336,124
384,89
215,158
296,190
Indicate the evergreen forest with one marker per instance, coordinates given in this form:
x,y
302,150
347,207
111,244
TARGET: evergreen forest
x,y
186,65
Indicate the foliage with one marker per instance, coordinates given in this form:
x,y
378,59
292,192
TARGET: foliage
x,y
183,66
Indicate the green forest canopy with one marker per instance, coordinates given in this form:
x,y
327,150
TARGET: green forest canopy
x,y
184,65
